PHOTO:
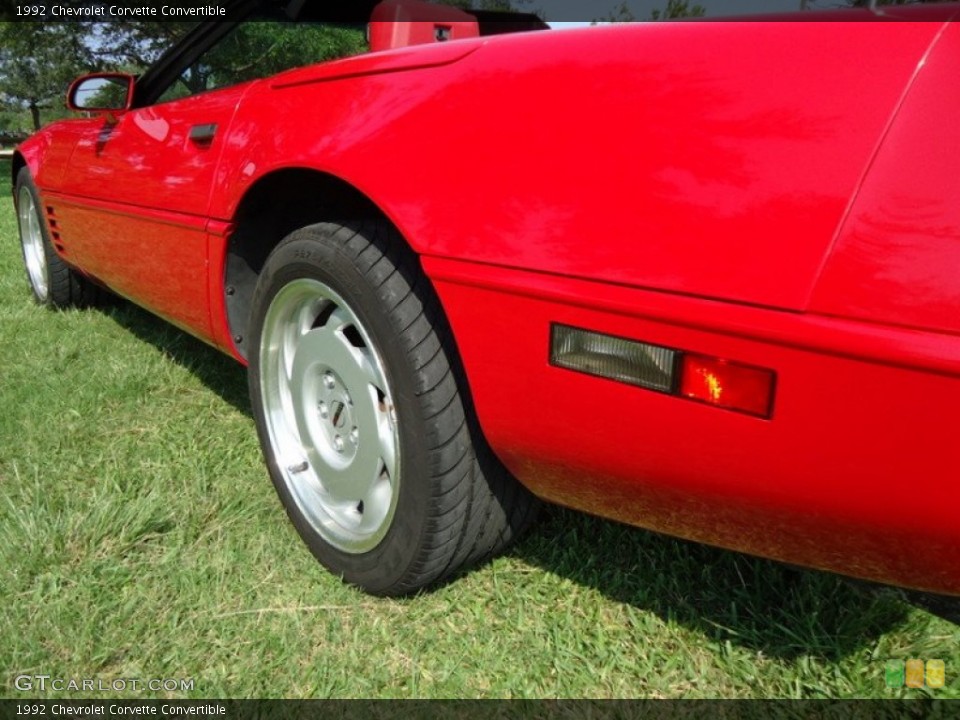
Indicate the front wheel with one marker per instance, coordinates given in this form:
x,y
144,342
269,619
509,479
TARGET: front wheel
x,y
52,281
357,399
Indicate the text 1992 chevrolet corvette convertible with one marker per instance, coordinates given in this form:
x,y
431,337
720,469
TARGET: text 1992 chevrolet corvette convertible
x,y
697,277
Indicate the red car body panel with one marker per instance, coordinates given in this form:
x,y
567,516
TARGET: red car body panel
x,y
853,472
897,255
160,226
781,194
727,143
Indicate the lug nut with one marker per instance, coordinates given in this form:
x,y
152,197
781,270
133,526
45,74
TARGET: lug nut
x,y
328,381
354,435
338,443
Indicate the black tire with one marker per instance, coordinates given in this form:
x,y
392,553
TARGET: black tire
x,y
358,286
53,282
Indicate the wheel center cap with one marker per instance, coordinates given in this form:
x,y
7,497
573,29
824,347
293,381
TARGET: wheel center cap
x,y
338,431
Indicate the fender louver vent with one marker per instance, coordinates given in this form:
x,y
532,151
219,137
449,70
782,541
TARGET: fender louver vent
x,y
54,226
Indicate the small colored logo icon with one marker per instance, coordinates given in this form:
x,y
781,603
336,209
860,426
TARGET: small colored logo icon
x,y
914,672
936,673
894,674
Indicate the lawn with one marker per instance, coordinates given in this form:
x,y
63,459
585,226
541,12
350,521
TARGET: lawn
x,y
140,538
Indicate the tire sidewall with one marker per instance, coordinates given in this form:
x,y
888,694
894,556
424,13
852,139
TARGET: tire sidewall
x,y
25,180
313,253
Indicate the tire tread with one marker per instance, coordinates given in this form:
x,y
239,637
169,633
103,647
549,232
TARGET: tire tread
x,y
66,287
476,509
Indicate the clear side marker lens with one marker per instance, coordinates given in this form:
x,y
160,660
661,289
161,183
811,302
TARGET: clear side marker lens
x,y
637,363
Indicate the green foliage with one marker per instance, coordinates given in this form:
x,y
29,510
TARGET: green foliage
x,y
37,63
620,14
102,94
256,50
39,60
674,9
132,45
486,4
14,119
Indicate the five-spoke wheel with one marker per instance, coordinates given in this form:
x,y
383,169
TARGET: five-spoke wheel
x,y
32,242
330,415
357,400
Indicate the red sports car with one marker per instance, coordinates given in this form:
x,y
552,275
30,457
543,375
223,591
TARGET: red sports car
x,y
703,277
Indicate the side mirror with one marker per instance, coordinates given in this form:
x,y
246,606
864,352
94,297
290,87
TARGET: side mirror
x,y
101,93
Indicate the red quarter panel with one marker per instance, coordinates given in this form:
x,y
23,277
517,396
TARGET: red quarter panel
x,y
897,258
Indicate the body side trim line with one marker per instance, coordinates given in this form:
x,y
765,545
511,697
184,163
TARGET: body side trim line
x,y
391,61
879,344
192,222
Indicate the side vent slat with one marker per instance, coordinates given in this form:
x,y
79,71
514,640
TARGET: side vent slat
x,y
54,226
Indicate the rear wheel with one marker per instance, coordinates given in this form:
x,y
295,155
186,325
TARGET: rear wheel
x,y
52,281
357,398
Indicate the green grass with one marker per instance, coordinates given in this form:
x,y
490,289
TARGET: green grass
x,y
140,538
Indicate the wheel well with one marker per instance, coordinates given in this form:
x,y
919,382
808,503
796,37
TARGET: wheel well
x,y
274,207
15,166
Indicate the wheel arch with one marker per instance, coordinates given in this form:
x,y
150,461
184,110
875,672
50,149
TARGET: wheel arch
x,y
290,199
274,206
17,164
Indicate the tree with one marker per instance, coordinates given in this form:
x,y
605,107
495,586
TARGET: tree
x,y
678,9
502,5
132,45
620,14
675,9
255,50
37,63
39,60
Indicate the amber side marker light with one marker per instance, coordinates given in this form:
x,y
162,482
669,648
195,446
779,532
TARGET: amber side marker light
x,y
727,384
702,378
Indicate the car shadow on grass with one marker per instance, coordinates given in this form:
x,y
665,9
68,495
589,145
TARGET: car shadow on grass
x,y
217,371
729,597
768,607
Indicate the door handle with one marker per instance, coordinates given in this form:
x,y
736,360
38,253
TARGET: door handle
x,y
203,134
